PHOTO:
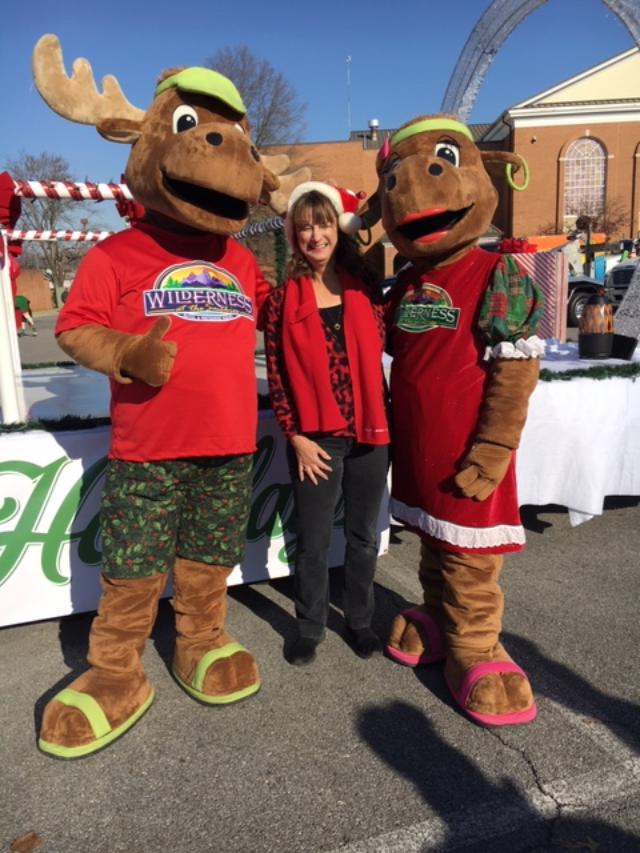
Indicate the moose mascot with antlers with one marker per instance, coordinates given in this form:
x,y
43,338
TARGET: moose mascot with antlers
x,y
465,362
167,310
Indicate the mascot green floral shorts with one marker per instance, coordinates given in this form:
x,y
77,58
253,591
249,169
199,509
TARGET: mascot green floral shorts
x,y
153,512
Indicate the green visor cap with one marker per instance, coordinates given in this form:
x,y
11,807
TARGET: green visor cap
x,y
431,124
205,81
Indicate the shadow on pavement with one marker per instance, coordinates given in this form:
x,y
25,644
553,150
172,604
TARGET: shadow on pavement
x,y
474,811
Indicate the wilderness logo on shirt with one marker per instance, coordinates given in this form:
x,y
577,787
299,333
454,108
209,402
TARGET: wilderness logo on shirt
x,y
424,307
198,290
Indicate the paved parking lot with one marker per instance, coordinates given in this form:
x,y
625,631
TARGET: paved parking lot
x,y
353,756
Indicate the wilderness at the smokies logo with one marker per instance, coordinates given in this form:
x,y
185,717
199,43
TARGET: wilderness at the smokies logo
x,y
424,307
198,290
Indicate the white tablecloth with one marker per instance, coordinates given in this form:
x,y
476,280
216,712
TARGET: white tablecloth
x,y
582,438
580,444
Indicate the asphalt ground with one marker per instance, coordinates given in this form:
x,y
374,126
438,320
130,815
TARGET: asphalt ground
x,y
354,756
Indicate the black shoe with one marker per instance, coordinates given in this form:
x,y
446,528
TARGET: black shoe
x,y
302,651
365,642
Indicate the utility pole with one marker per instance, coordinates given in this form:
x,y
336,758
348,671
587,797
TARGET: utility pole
x,y
349,95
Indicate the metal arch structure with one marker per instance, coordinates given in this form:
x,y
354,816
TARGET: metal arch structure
x,y
489,34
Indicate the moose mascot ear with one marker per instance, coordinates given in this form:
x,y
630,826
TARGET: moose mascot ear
x,y
370,213
120,130
512,162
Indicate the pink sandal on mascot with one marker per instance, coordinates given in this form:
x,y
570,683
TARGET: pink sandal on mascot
x,y
167,309
461,326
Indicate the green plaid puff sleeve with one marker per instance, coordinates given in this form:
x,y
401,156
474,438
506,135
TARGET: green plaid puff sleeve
x,y
512,306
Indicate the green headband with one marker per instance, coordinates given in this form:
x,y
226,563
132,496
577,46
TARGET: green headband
x,y
204,81
431,124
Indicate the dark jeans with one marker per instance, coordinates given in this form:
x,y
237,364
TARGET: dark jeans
x,y
360,472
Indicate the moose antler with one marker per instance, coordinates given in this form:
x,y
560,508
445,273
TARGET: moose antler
x,y
278,163
77,97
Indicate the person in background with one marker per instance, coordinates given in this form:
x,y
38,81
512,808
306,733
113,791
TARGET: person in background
x,y
573,253
324,340
23,305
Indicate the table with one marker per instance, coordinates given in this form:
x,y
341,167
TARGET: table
x,y
581,441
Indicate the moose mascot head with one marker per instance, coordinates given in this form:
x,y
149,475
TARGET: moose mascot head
x,y
167,310
461,324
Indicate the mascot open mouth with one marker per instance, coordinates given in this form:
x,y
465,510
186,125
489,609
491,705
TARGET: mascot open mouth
x,y
429,225
220,204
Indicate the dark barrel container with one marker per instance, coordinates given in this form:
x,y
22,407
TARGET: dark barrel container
x,y
595,337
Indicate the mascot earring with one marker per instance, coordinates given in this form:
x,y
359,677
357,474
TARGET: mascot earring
x,y
512,162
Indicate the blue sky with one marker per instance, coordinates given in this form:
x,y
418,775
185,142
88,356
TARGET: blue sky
x,y
402,55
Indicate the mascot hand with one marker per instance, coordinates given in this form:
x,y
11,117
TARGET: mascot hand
x,y
148,357
483,470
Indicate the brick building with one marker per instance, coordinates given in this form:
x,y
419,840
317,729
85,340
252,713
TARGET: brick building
x,y
581,139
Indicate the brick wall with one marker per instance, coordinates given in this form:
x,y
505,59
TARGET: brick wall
x,y
542,205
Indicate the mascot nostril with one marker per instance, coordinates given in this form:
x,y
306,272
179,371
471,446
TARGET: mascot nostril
x,y
461,325
214,138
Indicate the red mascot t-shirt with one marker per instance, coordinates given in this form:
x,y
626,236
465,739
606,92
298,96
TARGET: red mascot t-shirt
x,y
211,288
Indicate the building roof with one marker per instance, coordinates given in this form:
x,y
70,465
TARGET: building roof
x,y
609,91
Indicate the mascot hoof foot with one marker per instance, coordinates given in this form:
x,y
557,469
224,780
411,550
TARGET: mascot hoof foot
x,y
221,676
416,639
76,724
495,693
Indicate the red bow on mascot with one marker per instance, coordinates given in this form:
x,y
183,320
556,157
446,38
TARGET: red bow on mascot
x,y
461,325
167,309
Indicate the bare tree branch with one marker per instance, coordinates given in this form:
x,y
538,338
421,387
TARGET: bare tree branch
x,y
58,259
275,112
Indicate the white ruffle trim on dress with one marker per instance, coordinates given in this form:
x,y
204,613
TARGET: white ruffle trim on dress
x,y
533,347
456,534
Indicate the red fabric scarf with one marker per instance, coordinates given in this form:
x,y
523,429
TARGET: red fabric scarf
x,y
305,355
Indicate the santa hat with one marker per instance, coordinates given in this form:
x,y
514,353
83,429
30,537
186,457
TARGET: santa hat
x,y
344,202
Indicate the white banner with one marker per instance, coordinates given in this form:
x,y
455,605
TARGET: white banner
x,y
50,487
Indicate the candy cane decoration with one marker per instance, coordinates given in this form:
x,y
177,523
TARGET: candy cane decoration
x,y
89,236
85,191
75,190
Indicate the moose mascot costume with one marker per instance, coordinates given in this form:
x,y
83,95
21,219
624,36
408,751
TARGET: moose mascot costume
x,y
461,325
167,310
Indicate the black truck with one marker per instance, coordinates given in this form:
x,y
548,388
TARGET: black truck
x,y
581,287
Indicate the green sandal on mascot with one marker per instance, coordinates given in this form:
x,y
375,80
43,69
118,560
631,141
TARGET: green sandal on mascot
x,y
462,325
167,309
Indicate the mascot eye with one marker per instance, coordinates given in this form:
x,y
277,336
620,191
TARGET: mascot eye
x,y
184,118
448,151
240,127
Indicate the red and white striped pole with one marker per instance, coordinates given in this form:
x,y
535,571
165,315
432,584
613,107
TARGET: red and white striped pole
x,y
75,190
65,236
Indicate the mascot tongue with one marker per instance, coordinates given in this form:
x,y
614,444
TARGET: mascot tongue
x,y
430,225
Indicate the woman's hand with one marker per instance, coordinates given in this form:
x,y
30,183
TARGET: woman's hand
x,y
310,457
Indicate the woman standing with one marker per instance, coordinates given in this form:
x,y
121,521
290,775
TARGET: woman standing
x,y
324,341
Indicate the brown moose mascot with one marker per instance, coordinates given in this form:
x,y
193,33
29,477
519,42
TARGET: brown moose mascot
x,y
461,325
167,310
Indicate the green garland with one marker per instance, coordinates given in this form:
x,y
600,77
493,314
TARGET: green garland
x,y
280,252
40,365
66,423
73,422
624,371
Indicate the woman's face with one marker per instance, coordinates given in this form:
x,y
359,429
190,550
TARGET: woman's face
x,y
317,241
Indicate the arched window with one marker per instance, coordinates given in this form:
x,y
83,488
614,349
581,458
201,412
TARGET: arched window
x,y
585,177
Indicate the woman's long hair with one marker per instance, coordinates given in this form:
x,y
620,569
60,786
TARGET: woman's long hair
x,y
316,208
